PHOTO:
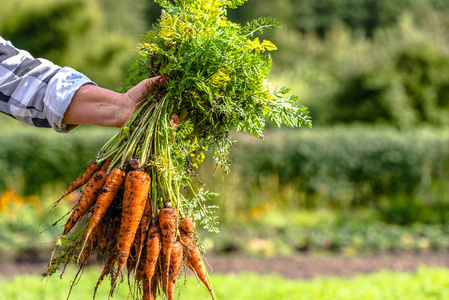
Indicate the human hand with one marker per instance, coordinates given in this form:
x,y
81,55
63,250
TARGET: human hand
x,y
131,99
98,106
175,120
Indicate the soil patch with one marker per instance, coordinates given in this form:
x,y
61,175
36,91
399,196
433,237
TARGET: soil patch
x,y
309,267
302,266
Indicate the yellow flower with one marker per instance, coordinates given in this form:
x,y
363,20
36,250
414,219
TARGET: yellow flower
x,y
198,158
220,78
162,165
199,7
143,46
168,26
196,154
10,196
259,47
33,200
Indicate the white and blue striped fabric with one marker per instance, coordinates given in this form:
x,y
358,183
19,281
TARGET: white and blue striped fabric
x,y
35,91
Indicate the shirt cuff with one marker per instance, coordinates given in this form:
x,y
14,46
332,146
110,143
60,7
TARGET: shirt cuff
x,y
59,94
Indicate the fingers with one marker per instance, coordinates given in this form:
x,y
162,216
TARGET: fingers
x,y
175,120
135,94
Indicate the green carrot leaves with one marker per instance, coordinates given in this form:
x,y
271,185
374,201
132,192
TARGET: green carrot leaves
x,y
218,73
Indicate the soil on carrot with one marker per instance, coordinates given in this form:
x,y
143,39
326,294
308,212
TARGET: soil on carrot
x,y
303,266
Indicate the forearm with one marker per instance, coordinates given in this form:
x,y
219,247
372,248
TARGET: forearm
x,y
39,93
98,106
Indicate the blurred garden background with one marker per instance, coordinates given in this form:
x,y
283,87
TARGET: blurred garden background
x,y
370,180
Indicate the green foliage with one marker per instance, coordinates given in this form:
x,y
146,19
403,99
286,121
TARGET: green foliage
x,y
333,73
396,77
345,166
425,283
400,176
199,208
360,16
334,167
126,17
33,159
85,35
352,232
407,91
213,75
44,28
218,73
27,235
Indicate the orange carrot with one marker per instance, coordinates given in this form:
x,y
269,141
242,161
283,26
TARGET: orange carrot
x,y
109,234
175,265
110,261
104,167
138,240
153,288
107,269
80,181
91,245
146,218
167,224
194,260
149,289
107,195
146,290
140,270
104,240
88,198
187,225
143,228
132,260
153,248
137,185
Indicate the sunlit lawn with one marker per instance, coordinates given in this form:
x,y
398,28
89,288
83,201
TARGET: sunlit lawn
x,y
426,283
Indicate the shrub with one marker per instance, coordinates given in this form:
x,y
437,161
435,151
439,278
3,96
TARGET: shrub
x,y
330,167
33,158
27,235
408,91
347,233
396,77
361,16
400,174
84,35
344,166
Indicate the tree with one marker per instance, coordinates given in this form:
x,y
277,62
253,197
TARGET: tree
x,y
97,37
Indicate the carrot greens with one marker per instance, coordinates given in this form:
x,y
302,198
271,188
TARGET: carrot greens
x,y
213,80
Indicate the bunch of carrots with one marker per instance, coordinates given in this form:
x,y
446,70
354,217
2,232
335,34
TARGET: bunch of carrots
x,y
138,206
153,244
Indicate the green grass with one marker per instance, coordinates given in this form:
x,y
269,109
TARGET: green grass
x,y
425,283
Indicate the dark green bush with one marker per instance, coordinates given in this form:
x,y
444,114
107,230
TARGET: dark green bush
x,y
409,90
349,235
348,166
403,174
82,34
361,16
32,158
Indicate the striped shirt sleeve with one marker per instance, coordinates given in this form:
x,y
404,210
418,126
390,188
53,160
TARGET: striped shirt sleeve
x,y
35,91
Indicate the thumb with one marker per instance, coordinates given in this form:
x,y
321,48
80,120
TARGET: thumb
x,y
135,93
